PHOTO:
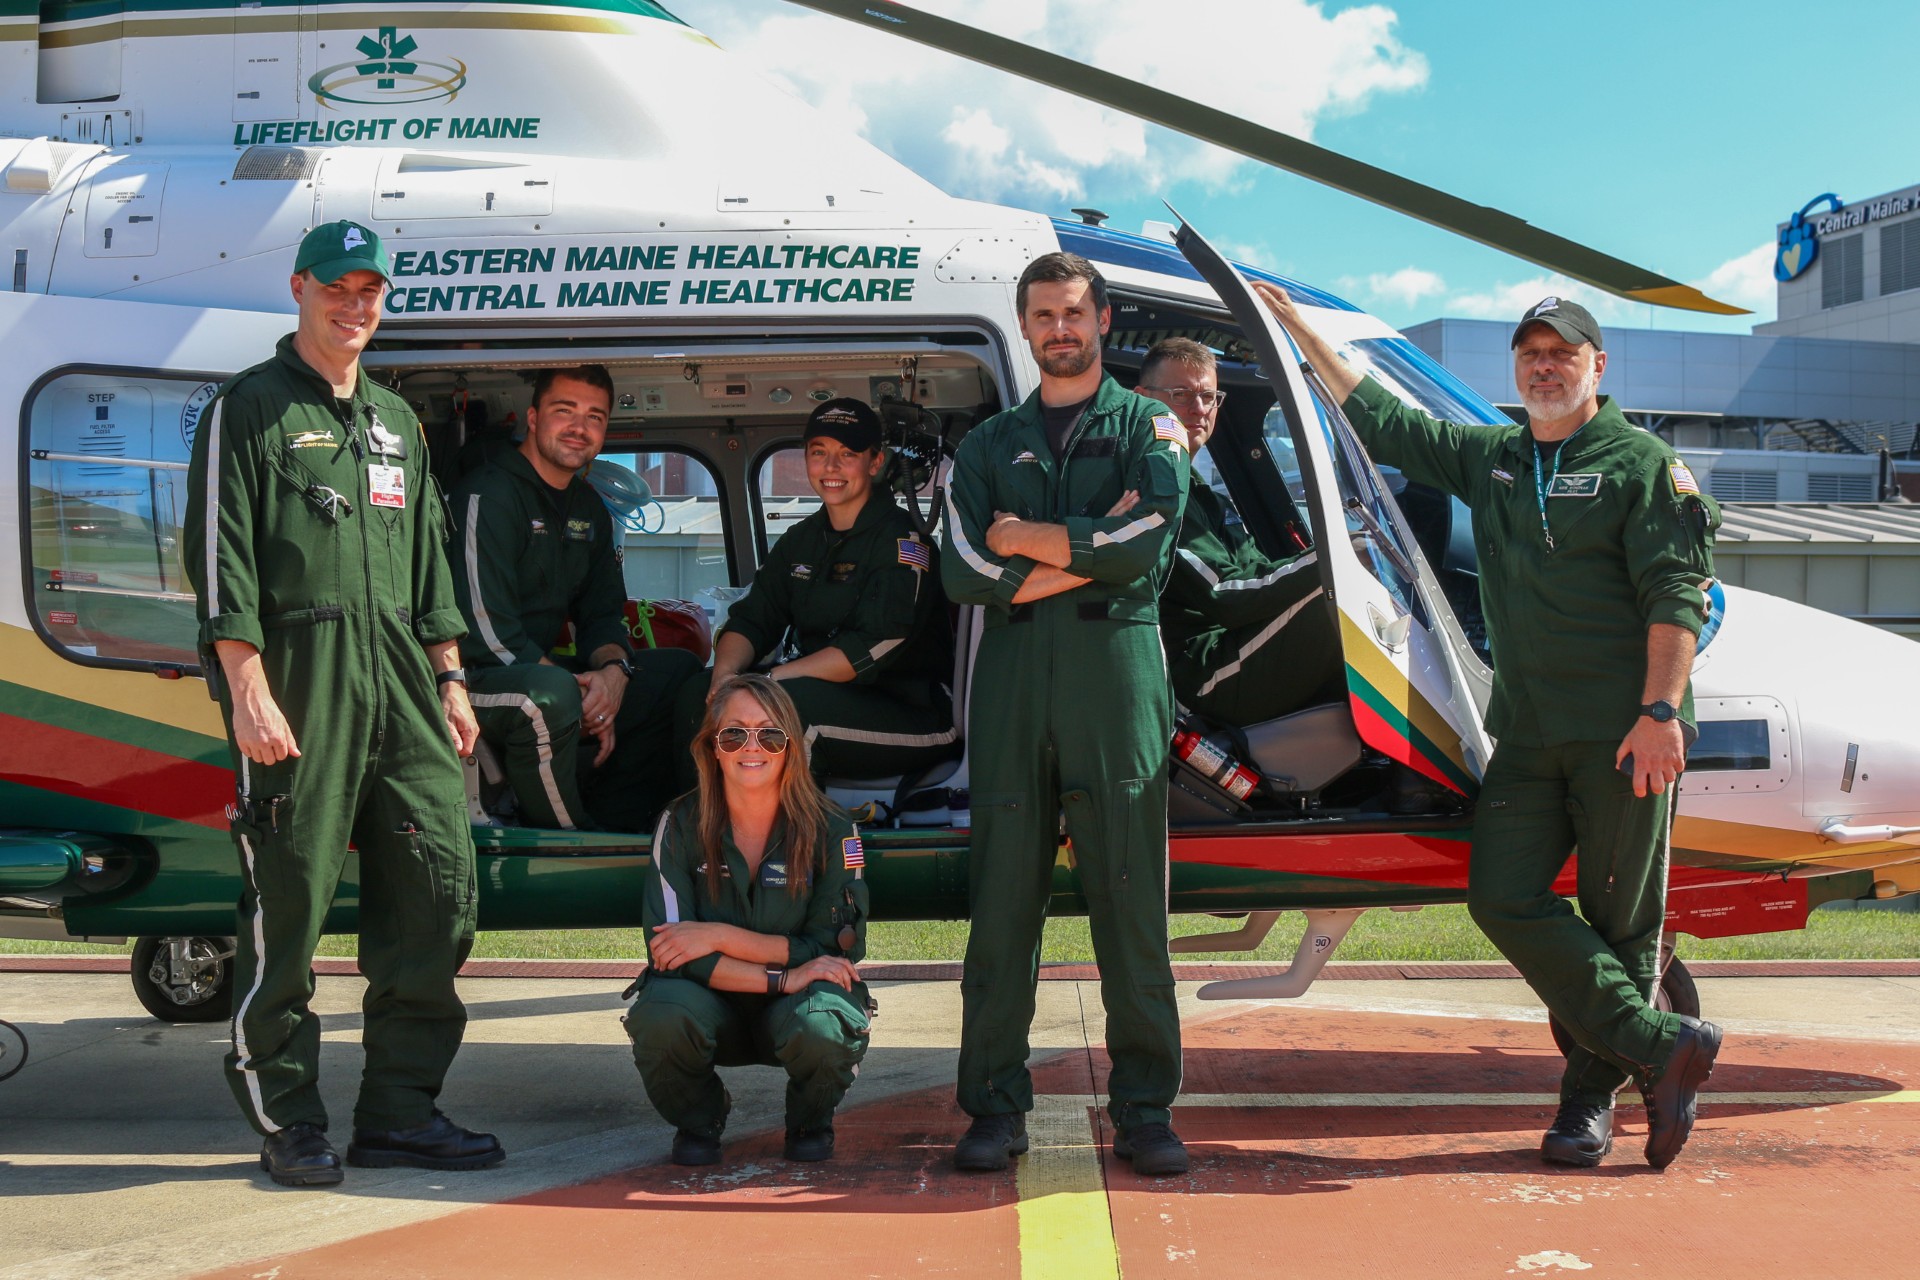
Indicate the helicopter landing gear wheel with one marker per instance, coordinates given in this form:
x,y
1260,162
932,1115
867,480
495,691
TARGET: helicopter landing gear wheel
x,y
13,1050
184,979
1675,994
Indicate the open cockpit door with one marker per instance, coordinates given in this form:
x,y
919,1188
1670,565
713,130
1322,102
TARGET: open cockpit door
x,y
1406,682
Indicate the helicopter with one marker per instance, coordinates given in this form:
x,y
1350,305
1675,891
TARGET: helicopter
x,y
732,261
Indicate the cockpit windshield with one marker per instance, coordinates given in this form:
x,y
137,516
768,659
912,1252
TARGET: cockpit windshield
x,y
1420,380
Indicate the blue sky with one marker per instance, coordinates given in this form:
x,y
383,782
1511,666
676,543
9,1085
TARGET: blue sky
x,y
1673,135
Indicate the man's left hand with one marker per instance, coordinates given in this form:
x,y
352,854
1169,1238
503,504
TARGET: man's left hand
x,y
1659,754
600,694
461,726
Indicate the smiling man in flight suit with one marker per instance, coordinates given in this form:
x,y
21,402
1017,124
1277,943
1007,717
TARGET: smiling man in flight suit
x,y
537,549
1595,551
1070,708
312,537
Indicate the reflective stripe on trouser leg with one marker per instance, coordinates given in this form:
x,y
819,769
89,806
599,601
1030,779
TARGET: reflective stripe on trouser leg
x,y
533,712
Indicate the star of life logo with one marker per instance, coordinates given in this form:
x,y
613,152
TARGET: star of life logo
x,y
388,72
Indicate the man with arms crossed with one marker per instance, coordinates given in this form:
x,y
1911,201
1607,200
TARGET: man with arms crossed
x,y
537,550
328,629
1595,551
1061,523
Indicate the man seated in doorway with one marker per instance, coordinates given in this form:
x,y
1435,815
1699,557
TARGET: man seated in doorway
x,y
536,549
1249,638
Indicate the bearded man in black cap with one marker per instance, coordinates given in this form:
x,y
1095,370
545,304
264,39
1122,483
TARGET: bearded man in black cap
x,y
1596,553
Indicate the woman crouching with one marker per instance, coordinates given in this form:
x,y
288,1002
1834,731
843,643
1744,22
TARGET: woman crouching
x,y
755,916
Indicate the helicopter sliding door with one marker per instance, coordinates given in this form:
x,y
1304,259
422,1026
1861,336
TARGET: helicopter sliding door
x,y
1406,684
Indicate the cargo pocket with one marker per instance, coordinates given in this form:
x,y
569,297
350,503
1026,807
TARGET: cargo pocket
x,y
422,891
263,839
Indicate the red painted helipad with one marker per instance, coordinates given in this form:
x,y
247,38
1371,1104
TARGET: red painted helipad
x,y
1325,1144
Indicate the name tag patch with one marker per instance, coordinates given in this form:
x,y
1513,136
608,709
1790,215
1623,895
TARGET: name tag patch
x,y
842,571
579,531
310,439
386,486
1585,484
804,572
1504,477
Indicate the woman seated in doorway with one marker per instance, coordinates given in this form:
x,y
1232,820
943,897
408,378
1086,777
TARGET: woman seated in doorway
x,y
854,592
755,915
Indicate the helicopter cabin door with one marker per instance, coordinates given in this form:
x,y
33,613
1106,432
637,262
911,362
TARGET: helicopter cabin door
x,y
1406,684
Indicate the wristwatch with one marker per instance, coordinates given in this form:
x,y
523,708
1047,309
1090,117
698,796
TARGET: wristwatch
x,y
626,666
776,977
1660,711
456,676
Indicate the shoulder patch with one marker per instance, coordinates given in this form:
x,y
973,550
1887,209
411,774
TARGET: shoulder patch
x,y
1683,481
1167,427
915,554
853,854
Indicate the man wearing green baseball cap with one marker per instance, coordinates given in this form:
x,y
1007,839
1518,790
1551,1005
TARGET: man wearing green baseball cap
x,y
329,632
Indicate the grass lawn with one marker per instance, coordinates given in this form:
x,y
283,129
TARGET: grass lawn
x,y
1435,933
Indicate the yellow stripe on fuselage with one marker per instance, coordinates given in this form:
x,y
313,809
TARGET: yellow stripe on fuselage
x,y
181,704
1364,656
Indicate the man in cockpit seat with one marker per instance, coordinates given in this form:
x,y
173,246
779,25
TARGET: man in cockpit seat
x,y
849,598
1595,549
1249,638
536,548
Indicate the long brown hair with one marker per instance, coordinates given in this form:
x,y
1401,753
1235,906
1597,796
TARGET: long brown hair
x,y
803,806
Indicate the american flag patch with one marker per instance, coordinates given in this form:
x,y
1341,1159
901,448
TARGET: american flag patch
x,y
1166,427
916,553
1683,481
853,854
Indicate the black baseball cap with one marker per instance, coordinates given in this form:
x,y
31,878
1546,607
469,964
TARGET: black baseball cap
x,y
335,248
852,422
1569,319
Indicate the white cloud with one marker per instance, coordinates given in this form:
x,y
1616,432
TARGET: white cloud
x,y
1406,286
1746,281
1508,300
1013,141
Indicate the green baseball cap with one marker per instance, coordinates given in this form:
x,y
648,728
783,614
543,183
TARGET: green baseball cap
x,y
332,250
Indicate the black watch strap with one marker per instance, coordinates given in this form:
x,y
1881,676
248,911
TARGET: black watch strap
x,y
625,665
1660,712
456,676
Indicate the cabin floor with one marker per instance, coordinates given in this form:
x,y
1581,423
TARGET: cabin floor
x,y
1373,1127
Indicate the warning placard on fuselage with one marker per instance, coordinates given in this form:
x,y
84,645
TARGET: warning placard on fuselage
x,y
699,273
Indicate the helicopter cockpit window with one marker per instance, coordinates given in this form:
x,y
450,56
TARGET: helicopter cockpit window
x,y
106,488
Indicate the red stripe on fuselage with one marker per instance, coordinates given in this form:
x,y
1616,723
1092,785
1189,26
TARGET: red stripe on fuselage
x,y
71,763
1373,728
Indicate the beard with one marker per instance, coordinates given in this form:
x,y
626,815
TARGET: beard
x,y
1542,402
1066,362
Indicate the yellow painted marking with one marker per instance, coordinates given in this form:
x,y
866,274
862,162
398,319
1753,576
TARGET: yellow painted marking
x,y
1066,1229
1684,297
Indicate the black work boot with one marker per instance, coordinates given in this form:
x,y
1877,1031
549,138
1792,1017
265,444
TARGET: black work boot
x,y
1581,1134
300,1156
1672,1094
991,1142
1154,1149
810,1145
695,1149
437,1144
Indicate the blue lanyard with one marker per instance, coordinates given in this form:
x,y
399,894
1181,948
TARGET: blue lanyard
x,y
1542,484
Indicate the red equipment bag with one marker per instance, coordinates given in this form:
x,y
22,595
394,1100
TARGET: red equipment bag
x,y
670,624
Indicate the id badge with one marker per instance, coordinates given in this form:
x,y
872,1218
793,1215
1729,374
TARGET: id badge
x,y
386,486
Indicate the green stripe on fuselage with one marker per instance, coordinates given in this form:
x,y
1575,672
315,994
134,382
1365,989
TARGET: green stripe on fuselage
x,y
1397,720
101,722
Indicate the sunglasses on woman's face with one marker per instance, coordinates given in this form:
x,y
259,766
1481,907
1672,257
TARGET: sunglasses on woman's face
x,y
731,739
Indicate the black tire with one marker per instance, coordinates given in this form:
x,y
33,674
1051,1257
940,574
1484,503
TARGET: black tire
x,y
13,1050
207,998
1677,994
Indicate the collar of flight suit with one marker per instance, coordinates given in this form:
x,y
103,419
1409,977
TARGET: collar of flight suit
x,y
874,511
292,359
516,464
1031,415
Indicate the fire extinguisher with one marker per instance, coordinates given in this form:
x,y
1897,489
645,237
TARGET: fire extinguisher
x,y
1213,763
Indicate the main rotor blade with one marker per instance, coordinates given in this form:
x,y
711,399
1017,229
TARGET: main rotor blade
x,y
1489,226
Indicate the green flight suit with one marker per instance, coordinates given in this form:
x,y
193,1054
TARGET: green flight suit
x,y
1249,638
531,559
313,533
1070,708
869,593
1632,543
682,1028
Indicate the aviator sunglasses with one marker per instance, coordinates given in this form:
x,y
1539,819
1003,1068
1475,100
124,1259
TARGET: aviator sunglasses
x,y
772,740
